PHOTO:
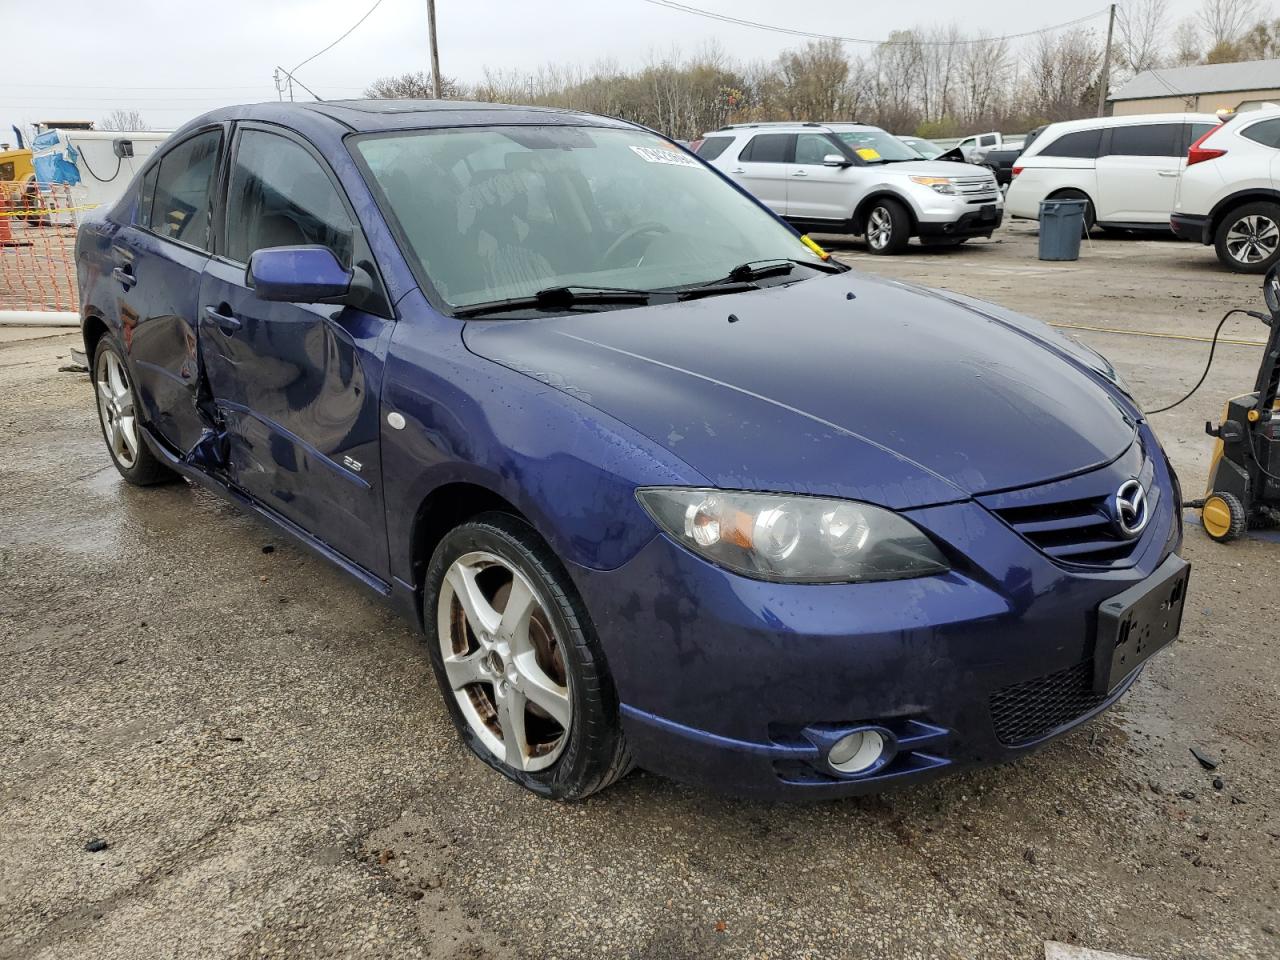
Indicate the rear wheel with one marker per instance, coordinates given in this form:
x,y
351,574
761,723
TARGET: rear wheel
x,y
888,227
118,410
1090,216
522,674
1248,238
1223,517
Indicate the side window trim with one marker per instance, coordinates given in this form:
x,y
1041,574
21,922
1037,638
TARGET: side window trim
x,y
214,187
361,248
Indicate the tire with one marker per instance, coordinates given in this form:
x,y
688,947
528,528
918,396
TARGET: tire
x,y
1090,217
1223,517
118,406
888,227
1247,239
505,684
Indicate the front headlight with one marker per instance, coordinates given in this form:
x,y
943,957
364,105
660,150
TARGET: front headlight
x,y
938,184
793,539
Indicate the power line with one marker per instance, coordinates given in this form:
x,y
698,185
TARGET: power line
x,y
376,5
773,28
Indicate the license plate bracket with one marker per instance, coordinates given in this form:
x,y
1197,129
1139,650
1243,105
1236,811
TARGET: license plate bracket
x,y
987,212
1136,624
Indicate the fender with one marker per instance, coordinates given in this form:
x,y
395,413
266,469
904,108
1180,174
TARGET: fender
x,y
1223,206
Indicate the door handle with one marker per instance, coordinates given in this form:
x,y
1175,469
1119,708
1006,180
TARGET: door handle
x,y
738,170
799,173
1166,173
226,323
123,275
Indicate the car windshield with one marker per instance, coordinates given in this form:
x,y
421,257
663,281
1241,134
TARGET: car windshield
x,y
496,213
876,146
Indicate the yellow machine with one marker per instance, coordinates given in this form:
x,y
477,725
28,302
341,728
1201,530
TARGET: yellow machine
x,y
17,177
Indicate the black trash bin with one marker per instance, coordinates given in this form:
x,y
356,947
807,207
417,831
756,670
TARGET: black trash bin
x,y
1061,226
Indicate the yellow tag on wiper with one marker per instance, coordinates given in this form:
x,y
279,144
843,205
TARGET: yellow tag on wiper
x,y
866,153
814,247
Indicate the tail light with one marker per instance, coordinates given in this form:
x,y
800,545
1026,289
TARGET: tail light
x,y
1016,171
1198,154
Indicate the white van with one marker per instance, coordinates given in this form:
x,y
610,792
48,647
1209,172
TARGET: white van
x,y
1126,168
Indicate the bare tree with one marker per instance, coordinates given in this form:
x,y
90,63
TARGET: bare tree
x,y
1186,44
815,80
1224,21
1140,26
1063,75
410,86
123,120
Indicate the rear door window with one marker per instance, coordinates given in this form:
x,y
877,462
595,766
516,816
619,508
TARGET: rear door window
x,y
1266,133
1082,144
280,196
712,147
768,148
184,183
1147,140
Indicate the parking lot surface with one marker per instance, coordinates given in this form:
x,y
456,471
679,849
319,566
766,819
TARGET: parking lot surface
x,y
261,748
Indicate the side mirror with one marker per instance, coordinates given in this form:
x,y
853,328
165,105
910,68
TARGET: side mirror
x,y
302,274
836,160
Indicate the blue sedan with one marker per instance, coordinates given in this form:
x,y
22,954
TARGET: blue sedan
x,y
661,483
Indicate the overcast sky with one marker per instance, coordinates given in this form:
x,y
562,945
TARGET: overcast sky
x,y
173,59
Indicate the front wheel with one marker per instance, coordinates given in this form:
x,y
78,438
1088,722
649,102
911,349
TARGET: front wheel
x,y
888,227
522,674
1248,239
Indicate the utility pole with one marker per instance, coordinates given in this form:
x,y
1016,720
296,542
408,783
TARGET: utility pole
x,y
435,49
1105,82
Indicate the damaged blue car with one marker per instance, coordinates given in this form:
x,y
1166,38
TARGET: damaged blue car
x,y
662,484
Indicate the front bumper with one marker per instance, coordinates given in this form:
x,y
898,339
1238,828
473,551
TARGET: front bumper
x,y
1186,226
729,683
972,223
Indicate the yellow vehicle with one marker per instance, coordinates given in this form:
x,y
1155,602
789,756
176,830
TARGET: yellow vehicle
x,y
17,178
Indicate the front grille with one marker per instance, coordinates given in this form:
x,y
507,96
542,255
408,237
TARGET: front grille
x,y
976,189
1025,712
1072,520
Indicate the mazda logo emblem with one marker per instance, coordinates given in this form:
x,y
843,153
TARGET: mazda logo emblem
x,y
1131,508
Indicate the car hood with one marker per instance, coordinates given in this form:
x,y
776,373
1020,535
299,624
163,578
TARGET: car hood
x,y
841,385
933,168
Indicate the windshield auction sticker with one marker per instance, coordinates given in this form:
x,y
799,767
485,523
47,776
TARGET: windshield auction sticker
x,y
660,155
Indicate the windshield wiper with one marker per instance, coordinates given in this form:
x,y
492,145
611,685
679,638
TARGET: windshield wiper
x,y
557,298
772,267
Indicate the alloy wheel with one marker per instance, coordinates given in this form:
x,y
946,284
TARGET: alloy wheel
x,y
115,408
879,228
503,661
1253,239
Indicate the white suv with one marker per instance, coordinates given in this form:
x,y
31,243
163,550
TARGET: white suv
x,y
854,178
1126,168
1229,193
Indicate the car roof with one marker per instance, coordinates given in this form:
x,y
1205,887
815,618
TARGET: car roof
x,y
374,116
788,126
1094,123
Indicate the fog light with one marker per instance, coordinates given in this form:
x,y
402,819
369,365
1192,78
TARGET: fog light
x,y
856,752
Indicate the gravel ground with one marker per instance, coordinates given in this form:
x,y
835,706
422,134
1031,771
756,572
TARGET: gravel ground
x,y
260,746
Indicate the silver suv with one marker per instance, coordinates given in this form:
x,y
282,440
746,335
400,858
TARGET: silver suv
x,y
854,178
